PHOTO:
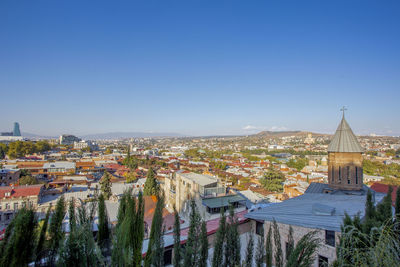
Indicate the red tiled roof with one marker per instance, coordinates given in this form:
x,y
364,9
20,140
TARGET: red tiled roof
x,y
150,203
384,188
20,191
212,225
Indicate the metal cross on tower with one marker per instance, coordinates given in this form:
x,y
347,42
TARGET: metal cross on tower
x,y
343,109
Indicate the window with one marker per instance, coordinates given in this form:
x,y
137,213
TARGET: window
x,y
340,173
168,257
330,238
259,228
333,174
348,172
15,206
7,206
356,175
322,261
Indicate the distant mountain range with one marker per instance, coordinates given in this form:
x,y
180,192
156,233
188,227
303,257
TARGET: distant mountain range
x,y
105,136
286,133
122,135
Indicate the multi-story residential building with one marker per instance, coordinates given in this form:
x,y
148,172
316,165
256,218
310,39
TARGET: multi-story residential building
x,y
13,198
67,139
182,186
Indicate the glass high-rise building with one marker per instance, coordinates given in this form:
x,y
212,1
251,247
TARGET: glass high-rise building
x,y
16,131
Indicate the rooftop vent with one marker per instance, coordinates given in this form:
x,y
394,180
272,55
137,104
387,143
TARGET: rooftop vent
x,y
321,209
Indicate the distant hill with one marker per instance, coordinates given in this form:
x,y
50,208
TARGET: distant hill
x,y
37,136
285,133
122,135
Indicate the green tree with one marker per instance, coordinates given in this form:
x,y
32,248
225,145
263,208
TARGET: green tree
x,y
370,214
278,248
384,209
203,245
127,246
177,240
192,247
105,184
154,256
151,187
27,180
290,244
71,214
218,255
232,247
273,180
249,252
303,255
55,229
3,150
260,253
42,236
268,248
18,246
80,249
104,231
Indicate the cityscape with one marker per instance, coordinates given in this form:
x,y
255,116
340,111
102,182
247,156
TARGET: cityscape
x,y
138,149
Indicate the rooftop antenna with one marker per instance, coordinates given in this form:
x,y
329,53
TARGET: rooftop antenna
x,y
343,109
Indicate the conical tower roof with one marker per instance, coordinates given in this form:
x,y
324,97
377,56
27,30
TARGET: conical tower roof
x,y
344,140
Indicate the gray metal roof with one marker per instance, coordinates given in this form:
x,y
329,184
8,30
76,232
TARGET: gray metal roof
x,y
302,210
224,201
344,140
200,179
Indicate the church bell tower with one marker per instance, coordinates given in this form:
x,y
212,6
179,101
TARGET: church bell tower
x,y
345,170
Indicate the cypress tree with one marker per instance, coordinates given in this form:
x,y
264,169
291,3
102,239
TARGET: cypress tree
x,y
268,248
370,214
219,241
153,250
19,247
278,247
128,241
260,250
80,249
177,240
151,187
55,229
105,185
42,235
232,248
139,231
203,246
104,232
249,252
397,204
290,245
384,209
71,214
192,248
122,207
122,252
397,213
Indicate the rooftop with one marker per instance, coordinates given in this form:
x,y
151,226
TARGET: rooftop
x,y
223,201
200,179
315,210
20,191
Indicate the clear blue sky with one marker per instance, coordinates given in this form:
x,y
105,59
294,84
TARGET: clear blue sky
x,y
199,67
